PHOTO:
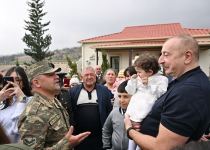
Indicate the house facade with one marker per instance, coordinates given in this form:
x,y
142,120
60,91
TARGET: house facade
x,y
122,47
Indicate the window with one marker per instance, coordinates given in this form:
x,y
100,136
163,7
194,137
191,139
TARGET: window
x,y
115,61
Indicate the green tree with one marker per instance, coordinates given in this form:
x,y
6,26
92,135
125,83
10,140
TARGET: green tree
x,y
17,62
105,63
72,66
36,40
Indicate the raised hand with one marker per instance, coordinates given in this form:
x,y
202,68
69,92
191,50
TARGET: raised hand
x,y
76,139
144,80
16,90
205,137
5,93
134,76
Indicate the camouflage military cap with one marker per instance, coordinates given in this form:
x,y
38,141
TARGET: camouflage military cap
x,y
39,68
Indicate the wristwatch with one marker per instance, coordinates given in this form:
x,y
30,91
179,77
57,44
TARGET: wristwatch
x,y
128,130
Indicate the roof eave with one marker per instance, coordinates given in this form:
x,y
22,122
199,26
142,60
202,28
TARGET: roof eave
x,y
127,46
137,39
122,40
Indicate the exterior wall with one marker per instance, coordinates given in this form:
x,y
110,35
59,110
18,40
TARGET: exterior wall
x,y
204,61
79,66
152,52
124,55
99,58
88,55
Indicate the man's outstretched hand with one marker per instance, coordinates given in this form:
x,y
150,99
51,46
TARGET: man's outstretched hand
x,y
76,139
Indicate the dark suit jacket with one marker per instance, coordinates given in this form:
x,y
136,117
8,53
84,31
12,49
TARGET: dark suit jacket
x,y
104,100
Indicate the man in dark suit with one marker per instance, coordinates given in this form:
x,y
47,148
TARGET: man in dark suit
x,y
91,104
99,75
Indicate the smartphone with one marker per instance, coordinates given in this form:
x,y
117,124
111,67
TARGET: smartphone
x,y
7,78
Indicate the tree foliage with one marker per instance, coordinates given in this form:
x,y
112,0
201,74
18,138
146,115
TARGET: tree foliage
x,y
17,62
36,40
72,66
105,63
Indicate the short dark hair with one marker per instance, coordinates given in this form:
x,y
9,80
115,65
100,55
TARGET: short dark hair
x,y
110,69
130,70
121,87
187,42
147,62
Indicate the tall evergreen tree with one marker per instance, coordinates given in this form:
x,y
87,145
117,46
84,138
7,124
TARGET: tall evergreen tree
x,y
72,66
36,40
105,63
17,62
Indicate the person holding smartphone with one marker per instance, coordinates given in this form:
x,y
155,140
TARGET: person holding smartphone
x,y
14,96
5,94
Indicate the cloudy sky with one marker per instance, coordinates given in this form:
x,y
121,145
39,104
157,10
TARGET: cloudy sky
x,y
74,20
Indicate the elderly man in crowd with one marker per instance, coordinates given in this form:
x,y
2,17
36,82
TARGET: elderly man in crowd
x,y
99,75
91,103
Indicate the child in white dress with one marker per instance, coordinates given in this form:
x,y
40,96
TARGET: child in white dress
x,y
146,87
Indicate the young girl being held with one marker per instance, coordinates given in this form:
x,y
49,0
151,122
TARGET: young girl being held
x,y
145,87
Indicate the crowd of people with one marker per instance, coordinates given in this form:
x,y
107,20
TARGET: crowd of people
x,y
137,108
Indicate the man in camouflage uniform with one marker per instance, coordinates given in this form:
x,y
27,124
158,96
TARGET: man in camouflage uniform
x,y
44,123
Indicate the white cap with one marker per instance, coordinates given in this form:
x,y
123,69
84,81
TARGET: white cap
x,y
74,81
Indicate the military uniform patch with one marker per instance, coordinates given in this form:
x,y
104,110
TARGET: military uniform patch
x,y
29,141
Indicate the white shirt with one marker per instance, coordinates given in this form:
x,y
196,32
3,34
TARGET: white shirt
x,y
144,96
83,97
9,118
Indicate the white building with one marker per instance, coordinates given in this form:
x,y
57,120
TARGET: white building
x,y
122,47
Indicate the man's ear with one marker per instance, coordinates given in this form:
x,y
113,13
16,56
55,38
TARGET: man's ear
x,y
35,82
188,57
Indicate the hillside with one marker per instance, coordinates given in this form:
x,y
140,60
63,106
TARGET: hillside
x,y
59,55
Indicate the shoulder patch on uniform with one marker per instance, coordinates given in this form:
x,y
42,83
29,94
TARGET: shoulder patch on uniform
x,y
29,141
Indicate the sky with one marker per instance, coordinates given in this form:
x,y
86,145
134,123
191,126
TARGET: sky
x,y
75,20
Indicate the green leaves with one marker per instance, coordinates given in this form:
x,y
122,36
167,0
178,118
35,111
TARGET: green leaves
x,y
35,38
